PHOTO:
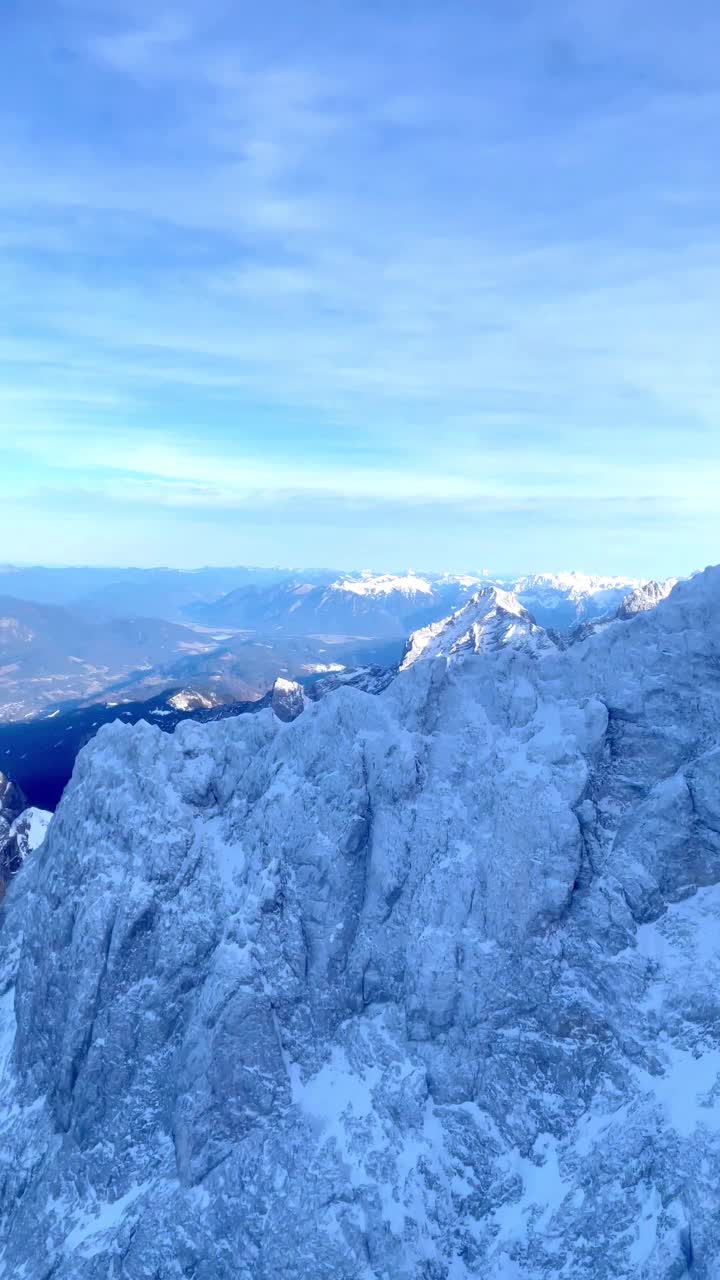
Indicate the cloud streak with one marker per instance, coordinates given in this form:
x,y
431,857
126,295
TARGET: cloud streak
x,y
456,255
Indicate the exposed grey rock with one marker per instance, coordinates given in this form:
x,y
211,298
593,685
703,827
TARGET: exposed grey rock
x,y
491,619
422,985
371,679
645,597
12,804
288,700
12,800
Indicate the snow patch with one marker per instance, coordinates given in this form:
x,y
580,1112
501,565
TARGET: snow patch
x,y
30,829
87,1235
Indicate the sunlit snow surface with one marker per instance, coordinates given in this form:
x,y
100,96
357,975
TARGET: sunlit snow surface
x,y
575,583
30,829
384,584
490,619
417,985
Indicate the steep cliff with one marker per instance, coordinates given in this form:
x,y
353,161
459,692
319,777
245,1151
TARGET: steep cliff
x,y
422,984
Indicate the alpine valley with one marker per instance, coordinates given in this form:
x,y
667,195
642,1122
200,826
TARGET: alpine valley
x,y
415,978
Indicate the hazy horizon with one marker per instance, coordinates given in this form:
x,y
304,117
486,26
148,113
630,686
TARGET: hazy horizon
x,y
393,570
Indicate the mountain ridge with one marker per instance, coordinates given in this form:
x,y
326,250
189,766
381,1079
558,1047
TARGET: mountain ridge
x,y
412,981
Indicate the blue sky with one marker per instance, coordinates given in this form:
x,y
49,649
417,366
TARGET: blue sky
x,y
357,284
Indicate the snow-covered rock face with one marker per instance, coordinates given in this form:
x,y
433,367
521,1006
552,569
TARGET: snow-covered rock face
x,y
420,986
645,597
12,800
491,618
372,679
12,804
288,699
29,830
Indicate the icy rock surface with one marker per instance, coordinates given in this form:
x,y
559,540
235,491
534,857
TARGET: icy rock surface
x,y
419,986
29,830
288,699
491,619
12,804
371,679
645,597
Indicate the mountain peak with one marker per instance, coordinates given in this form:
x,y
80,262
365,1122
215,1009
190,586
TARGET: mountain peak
x,y
645,596
288,699
491,619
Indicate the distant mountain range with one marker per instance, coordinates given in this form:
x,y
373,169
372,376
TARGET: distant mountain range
x,y
72,637
375,606
208,675
393,605
128,592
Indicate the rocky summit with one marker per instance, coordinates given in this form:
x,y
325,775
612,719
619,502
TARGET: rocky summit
x,y
422,985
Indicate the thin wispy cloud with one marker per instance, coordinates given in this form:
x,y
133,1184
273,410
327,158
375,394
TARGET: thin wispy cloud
x,y
401,257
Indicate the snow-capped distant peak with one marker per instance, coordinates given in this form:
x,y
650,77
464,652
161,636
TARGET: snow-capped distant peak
x,y
564,600
460,580
574,584
384,584
491,619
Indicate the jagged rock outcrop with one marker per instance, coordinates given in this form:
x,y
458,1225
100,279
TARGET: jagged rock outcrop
x,y
288,699
12,804
22,829
645,597
491,619
371,679
12,800
29,830
421,986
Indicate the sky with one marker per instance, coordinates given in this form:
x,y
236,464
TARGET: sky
x,y
360,283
